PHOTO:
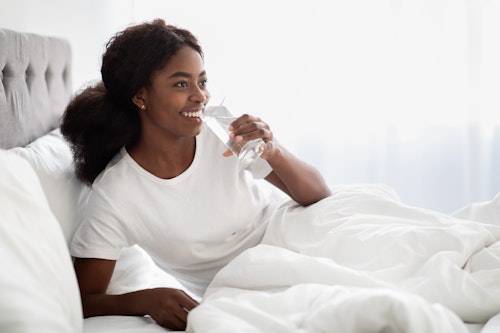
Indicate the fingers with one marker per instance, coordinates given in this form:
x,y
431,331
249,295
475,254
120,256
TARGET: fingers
x,y
268,149
175,318
175,323
188,303
227,153
172,309
247,128
181,312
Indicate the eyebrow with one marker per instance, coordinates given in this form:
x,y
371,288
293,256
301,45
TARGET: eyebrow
x,y
186,75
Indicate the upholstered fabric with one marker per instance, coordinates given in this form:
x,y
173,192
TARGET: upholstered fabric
x,y
35,85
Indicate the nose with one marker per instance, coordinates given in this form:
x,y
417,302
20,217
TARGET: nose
x,y
200,95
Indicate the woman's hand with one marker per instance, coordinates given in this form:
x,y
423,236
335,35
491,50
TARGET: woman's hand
x,y
301,181
247,128
169,307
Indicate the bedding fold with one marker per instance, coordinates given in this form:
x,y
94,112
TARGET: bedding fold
x,y
363,250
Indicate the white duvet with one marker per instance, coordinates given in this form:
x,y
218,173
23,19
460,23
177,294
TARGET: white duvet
x,y
359,261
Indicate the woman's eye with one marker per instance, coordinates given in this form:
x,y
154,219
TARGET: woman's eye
x,y
181,84
203,83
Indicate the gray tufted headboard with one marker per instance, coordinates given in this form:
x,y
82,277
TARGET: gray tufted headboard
x,y
35,85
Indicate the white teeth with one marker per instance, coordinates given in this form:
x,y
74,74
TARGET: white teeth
x,y
192,114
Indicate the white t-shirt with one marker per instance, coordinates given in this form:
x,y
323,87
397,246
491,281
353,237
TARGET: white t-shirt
x,y
191,225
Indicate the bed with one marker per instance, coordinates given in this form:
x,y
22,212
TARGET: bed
x,y
315,270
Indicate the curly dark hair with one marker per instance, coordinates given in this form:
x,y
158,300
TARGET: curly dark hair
x,y
102,118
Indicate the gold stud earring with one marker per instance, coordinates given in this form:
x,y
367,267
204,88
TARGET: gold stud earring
x,y
142,107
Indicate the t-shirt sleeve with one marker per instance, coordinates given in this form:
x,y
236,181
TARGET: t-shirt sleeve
x,y
101,234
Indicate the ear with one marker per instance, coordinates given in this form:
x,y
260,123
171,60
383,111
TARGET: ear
x,y
139,99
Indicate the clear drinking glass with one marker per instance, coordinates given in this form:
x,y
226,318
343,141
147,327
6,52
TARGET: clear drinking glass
x,y
218,119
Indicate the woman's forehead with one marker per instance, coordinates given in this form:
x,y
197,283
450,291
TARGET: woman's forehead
x,y
186,60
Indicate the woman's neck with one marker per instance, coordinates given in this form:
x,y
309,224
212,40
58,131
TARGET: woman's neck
x,y
164,159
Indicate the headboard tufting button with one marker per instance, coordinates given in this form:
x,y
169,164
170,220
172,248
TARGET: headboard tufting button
x,y
65,75
48,75
5,71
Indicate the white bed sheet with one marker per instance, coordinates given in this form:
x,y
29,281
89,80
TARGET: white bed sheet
x,y
120,324
354,262
492,326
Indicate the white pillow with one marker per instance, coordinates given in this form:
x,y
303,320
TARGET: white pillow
x,y
38,287
51,158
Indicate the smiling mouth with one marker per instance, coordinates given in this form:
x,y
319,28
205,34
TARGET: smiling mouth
x,y
196,114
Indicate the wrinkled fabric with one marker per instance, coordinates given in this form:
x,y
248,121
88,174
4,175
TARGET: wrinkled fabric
x,y
377,253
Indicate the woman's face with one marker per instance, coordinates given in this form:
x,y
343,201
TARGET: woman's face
x,y
176,97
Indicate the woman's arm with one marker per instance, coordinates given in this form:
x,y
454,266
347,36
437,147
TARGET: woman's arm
x,y
168,307
301,181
